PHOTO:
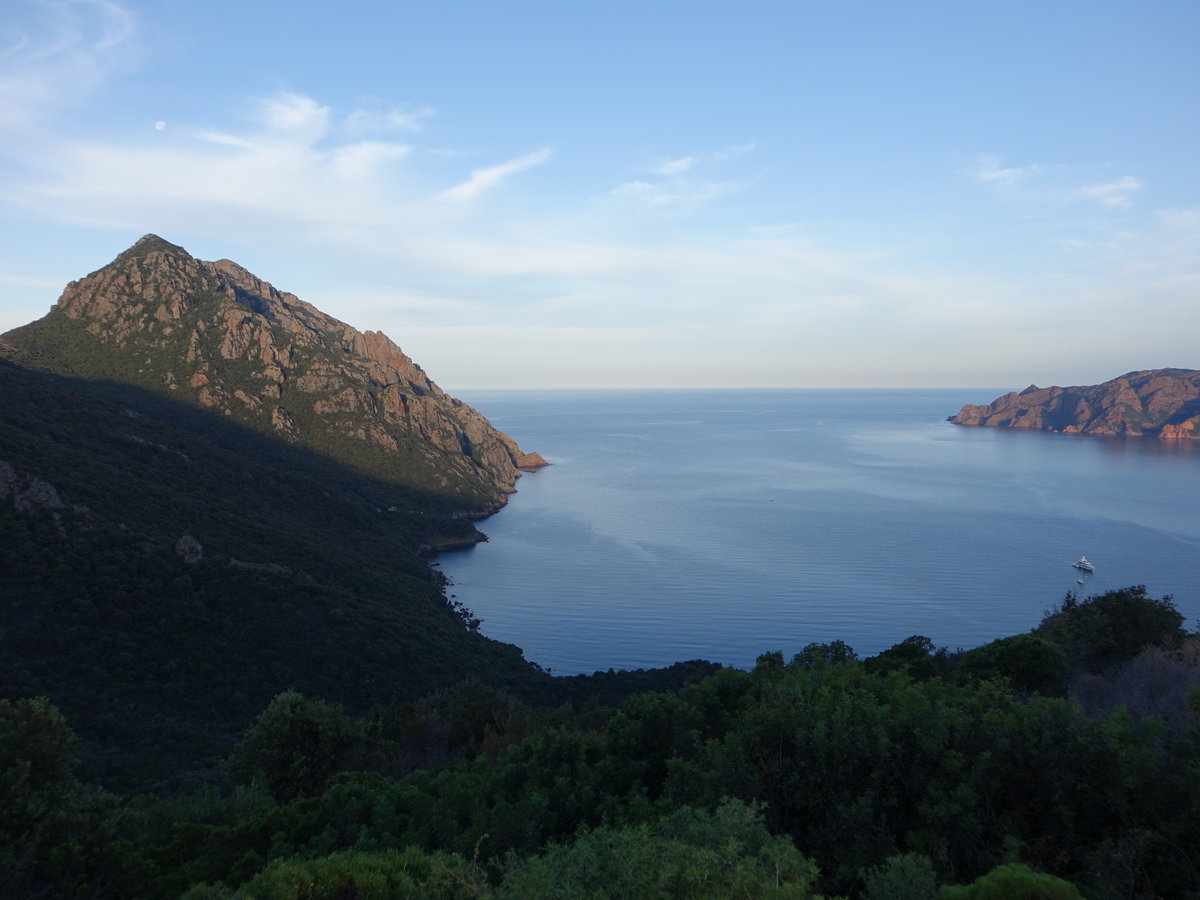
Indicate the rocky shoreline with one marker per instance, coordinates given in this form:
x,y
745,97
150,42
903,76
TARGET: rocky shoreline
x,y
1161,403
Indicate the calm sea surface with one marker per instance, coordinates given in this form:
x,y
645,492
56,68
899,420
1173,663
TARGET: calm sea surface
x,y
679,525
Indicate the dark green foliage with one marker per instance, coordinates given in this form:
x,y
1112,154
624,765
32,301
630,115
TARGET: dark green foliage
x,y
1013,882
1113,627
875,777
909,876
1030,662
914,656
690,854
295,746
386,875
45,809
814,655
311,579
37,760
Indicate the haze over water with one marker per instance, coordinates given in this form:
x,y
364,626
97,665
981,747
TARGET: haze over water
x,y
678,525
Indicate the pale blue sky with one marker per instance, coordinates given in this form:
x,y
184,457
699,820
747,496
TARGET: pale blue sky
x,y
618,194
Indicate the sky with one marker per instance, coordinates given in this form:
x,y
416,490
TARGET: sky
x,y
637,194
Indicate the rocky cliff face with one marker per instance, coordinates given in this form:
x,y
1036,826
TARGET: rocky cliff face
x,y
1163,403
218,336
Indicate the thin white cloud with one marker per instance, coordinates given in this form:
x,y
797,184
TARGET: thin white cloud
x,y
1117,193
357,162
989,169
675,166
368,213
679,184
483,180
295,116
673,194
734,151
228,140
1059,185
365,121
58,52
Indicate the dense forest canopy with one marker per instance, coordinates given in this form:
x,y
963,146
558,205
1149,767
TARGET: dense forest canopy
x,y
823,775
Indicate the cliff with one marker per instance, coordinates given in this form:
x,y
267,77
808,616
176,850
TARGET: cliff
x,y
217,336
1162,403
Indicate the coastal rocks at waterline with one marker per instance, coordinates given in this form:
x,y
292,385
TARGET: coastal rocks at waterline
x,y
1161,403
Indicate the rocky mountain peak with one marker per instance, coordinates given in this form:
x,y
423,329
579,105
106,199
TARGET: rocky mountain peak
x,y
217,335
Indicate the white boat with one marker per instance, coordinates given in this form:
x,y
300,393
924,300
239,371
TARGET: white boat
x,y
1083,565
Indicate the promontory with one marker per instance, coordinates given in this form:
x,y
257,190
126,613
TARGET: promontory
x,y
1161,403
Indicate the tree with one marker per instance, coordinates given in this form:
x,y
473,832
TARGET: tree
x,y
295,745
1114,627
915,656
1030,662
814,655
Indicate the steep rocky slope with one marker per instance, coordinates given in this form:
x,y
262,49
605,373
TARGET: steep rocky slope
x,y
1162,403
216,335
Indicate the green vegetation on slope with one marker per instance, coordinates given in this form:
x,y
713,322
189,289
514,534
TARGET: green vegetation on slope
x,y
310,578
797,778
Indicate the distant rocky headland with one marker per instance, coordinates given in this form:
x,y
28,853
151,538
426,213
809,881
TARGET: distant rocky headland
x,y
1162,403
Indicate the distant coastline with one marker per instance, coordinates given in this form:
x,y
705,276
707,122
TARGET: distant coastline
x,y
1160,403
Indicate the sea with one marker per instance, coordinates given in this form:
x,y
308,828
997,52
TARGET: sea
x,y
722,524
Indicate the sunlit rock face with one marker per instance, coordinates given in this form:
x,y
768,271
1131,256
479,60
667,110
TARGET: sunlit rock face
x,y
216,335
1163,403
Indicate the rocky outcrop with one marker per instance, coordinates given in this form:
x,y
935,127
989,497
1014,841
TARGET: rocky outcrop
x,y
36,497
189,549
1162,403
219,336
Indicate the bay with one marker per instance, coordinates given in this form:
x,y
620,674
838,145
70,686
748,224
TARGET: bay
x,y
677,525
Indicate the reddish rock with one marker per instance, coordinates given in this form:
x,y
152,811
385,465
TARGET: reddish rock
x,y
235,343
1163,403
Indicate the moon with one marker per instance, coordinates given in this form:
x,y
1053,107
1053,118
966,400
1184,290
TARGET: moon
x,y
160,125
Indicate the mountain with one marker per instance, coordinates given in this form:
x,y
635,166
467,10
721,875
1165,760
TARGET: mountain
x,y
210,493
1162,403
215,335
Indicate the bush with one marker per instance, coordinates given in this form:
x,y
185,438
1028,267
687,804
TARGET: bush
x,y
1013,882
1114,627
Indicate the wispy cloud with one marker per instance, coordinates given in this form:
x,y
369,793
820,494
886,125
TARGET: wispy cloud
x,y
734,151
375,121
1118,193
295,116
675,193
357,162
372,216
63,52
1058,185
681,183
989,169
483,180
675,166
